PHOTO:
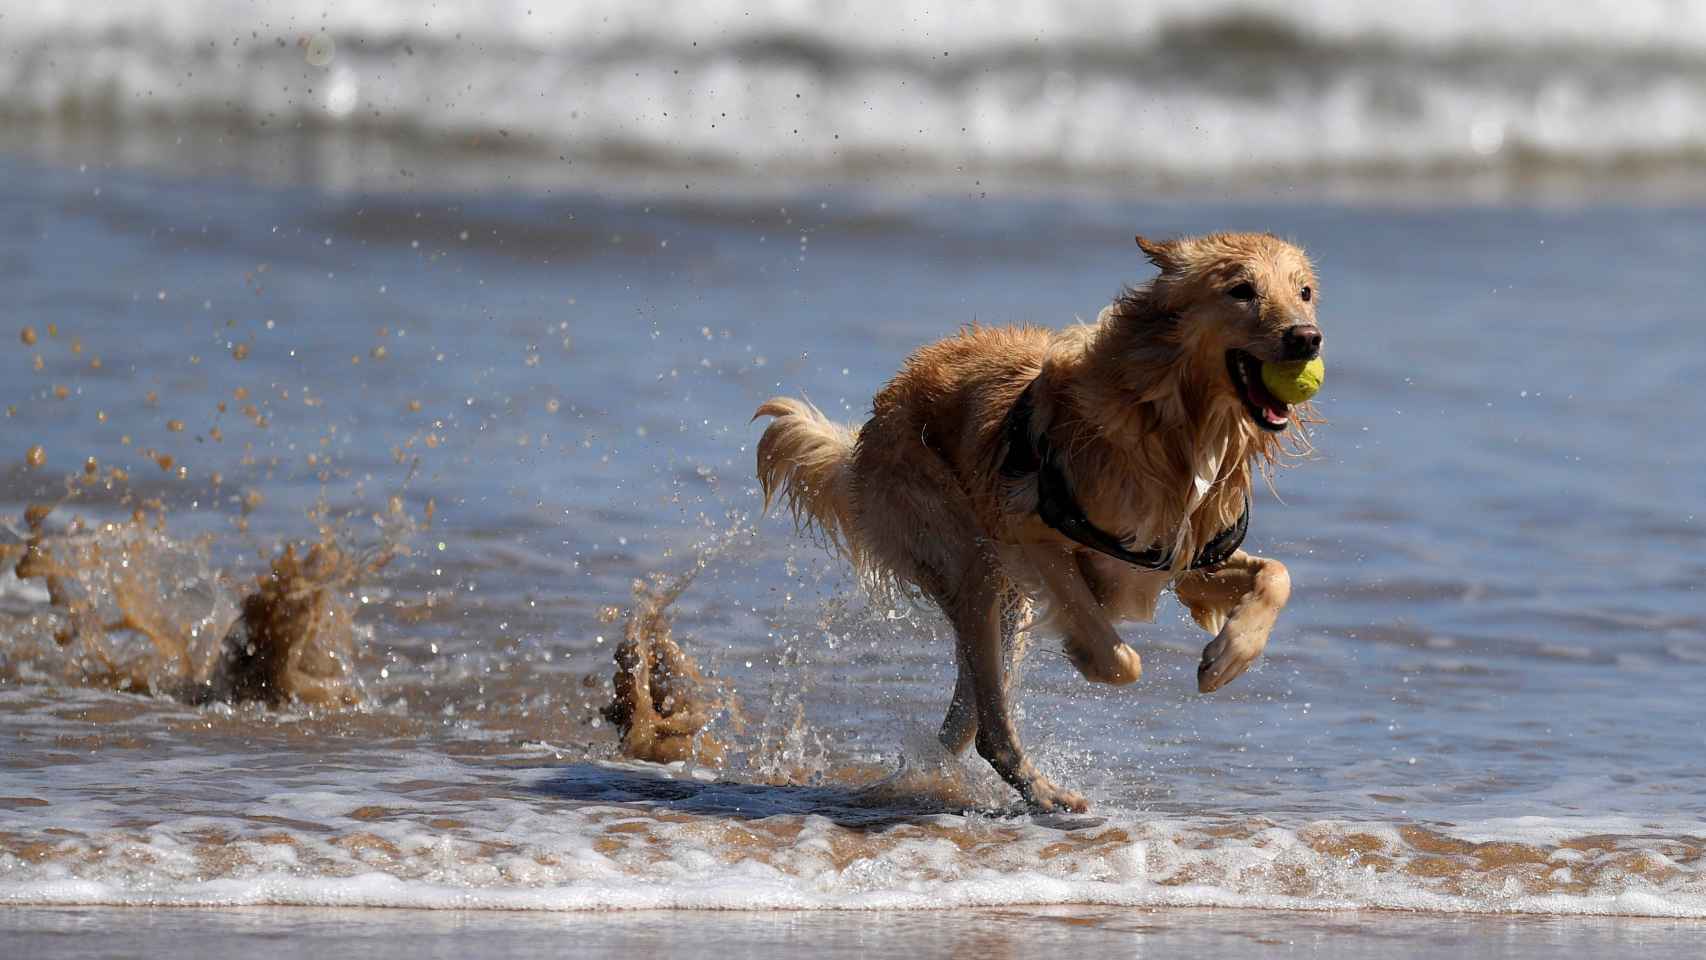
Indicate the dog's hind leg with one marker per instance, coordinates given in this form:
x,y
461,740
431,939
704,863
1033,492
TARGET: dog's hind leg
x,y
916,521
974,609
1237,602
960,725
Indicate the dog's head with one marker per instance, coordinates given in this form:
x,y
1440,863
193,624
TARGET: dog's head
x,y
1227,303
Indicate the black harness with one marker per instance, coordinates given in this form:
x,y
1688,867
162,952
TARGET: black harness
x,y
1057,507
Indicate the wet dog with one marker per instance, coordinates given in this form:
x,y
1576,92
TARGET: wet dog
x,y
1079,472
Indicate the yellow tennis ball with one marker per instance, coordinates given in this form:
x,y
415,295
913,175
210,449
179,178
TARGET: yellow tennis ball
x,y
1294,381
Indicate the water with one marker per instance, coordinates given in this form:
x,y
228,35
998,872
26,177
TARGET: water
x,y
1482,698
1159,91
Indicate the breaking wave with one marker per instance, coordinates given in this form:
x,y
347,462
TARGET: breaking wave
x,y
620,836
1092,89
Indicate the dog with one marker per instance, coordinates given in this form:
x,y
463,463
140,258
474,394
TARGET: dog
x,y
1080,472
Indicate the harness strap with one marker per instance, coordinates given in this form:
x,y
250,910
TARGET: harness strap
x,y
1057,507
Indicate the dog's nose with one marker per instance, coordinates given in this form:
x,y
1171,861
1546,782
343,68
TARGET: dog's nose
x,y
1302,342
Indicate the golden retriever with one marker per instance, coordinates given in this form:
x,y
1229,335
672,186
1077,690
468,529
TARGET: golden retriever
x,y
1084,470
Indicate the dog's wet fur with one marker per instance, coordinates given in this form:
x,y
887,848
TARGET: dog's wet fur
x,y
1156,416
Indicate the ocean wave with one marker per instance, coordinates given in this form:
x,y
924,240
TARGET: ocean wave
x,y
620,836
1084,89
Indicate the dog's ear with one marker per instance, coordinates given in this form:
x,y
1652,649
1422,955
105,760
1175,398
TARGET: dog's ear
x,y
1165,254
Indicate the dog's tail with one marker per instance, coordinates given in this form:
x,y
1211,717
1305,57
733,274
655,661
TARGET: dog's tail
x,y
807,460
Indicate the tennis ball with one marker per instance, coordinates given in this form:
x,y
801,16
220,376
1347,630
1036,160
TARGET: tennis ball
x,y
1294,381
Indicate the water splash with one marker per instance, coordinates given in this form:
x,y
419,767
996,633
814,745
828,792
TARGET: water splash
x,y
126,606
662,704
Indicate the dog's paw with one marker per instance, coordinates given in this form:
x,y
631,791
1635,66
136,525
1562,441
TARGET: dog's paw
x,y
1042,796
1116,664
1227,656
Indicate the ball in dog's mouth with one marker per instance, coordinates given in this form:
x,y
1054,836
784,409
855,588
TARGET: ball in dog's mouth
x,y
1269,411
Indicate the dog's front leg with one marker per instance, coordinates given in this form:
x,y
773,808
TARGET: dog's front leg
x,y
1091,642
1237,602
974,608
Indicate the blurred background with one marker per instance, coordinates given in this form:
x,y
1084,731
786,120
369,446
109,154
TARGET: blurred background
x,y
1484,96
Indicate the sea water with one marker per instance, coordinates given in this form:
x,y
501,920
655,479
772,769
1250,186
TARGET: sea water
x,y
1483,696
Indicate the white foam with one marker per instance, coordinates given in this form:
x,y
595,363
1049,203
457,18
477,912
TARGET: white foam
x,y
1098,89
528,845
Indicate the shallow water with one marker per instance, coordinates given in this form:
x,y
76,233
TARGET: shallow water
x,y
1483,697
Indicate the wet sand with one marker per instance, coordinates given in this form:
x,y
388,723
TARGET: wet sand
x,y
70,933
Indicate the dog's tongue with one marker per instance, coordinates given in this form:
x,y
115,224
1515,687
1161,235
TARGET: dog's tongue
x,y
1271,406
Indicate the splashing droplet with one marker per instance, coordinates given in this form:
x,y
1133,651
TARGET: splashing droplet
x,y
320,50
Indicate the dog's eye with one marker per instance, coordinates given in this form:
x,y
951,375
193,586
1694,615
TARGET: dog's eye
x,y
1306,294
1244,291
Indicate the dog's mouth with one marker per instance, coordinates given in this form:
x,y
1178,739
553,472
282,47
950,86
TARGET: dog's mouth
x,y
1269,412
